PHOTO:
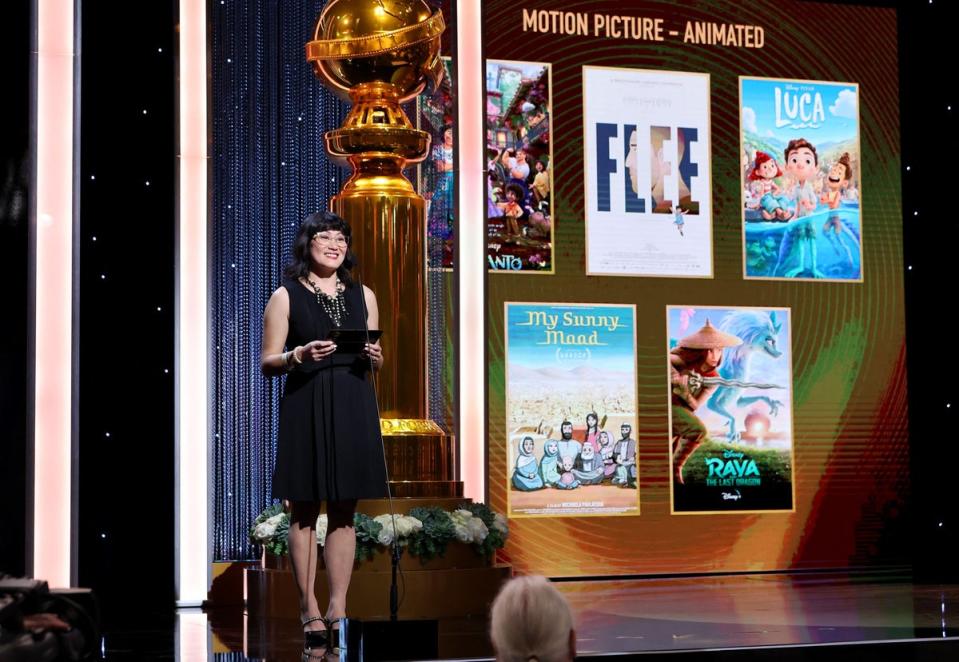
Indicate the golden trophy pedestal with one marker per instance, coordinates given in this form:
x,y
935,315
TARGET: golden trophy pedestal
x,y
422,459
379,54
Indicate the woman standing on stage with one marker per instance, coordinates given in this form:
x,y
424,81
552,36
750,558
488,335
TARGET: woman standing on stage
x,y
328,447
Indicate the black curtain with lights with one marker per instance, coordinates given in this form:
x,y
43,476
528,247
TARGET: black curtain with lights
x,y
269,113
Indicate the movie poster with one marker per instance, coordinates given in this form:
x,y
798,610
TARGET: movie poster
x,y
731,416
435,174
647,169
519,172
801,180
571,409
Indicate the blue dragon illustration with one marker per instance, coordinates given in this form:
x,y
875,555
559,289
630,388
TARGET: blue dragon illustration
x,y
759,332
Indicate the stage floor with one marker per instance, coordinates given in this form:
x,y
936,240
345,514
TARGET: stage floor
x,y
758,610
742,616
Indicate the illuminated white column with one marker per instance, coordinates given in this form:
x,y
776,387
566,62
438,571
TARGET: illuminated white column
x,y
471,256
52,240
193,637
192,318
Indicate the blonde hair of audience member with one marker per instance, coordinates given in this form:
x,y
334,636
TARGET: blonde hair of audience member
x,y
530,621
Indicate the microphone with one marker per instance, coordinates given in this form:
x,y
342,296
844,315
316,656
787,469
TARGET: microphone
x,y
394,544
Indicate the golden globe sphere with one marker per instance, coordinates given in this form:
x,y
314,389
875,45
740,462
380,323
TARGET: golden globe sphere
x,y
387,41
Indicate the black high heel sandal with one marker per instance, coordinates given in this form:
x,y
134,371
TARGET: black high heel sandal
x,y
333,626
315,638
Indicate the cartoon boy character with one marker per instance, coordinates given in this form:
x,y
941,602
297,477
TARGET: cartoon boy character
x,y
773,203
837,181
802,163
567,479
512,209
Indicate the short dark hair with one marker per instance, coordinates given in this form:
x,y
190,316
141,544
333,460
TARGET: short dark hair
x,y
799,143
322,221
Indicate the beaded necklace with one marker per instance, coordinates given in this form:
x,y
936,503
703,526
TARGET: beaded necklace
x,y
335,304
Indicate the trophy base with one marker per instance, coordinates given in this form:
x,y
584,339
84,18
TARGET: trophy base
x,y
421,458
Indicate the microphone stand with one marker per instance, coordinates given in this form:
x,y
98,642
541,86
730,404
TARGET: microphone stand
x,y
394,544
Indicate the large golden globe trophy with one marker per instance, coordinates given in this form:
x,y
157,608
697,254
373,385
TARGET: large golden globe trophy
x,y
378,54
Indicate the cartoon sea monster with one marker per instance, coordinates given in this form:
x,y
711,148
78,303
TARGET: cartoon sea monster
x,y
759,332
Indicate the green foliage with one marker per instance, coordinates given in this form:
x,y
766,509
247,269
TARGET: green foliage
x,y
428,543
436,534
367,536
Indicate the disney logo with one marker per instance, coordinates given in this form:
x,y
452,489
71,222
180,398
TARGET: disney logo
x,y
737,454
729,496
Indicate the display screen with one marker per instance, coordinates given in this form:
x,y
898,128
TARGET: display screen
x,y
708,373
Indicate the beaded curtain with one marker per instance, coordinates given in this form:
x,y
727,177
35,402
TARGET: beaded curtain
x,y
269,171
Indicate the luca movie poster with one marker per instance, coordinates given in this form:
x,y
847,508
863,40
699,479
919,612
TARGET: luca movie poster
x,y
519,179
647,170
801,180
571,409
731,415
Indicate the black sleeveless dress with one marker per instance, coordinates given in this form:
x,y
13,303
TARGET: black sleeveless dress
x,y
328,447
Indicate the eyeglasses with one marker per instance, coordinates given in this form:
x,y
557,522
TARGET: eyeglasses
x,y
327,240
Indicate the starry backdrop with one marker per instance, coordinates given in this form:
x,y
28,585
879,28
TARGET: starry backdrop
x,y
127,229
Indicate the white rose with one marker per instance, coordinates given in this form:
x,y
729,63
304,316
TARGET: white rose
x,y
461,519
415,525
264,531
276,519
463,534
402,527
406,525
500,524
385,536
478,529
322,524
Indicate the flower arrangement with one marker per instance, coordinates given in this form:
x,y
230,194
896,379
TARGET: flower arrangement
x,y
271,529
425,532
